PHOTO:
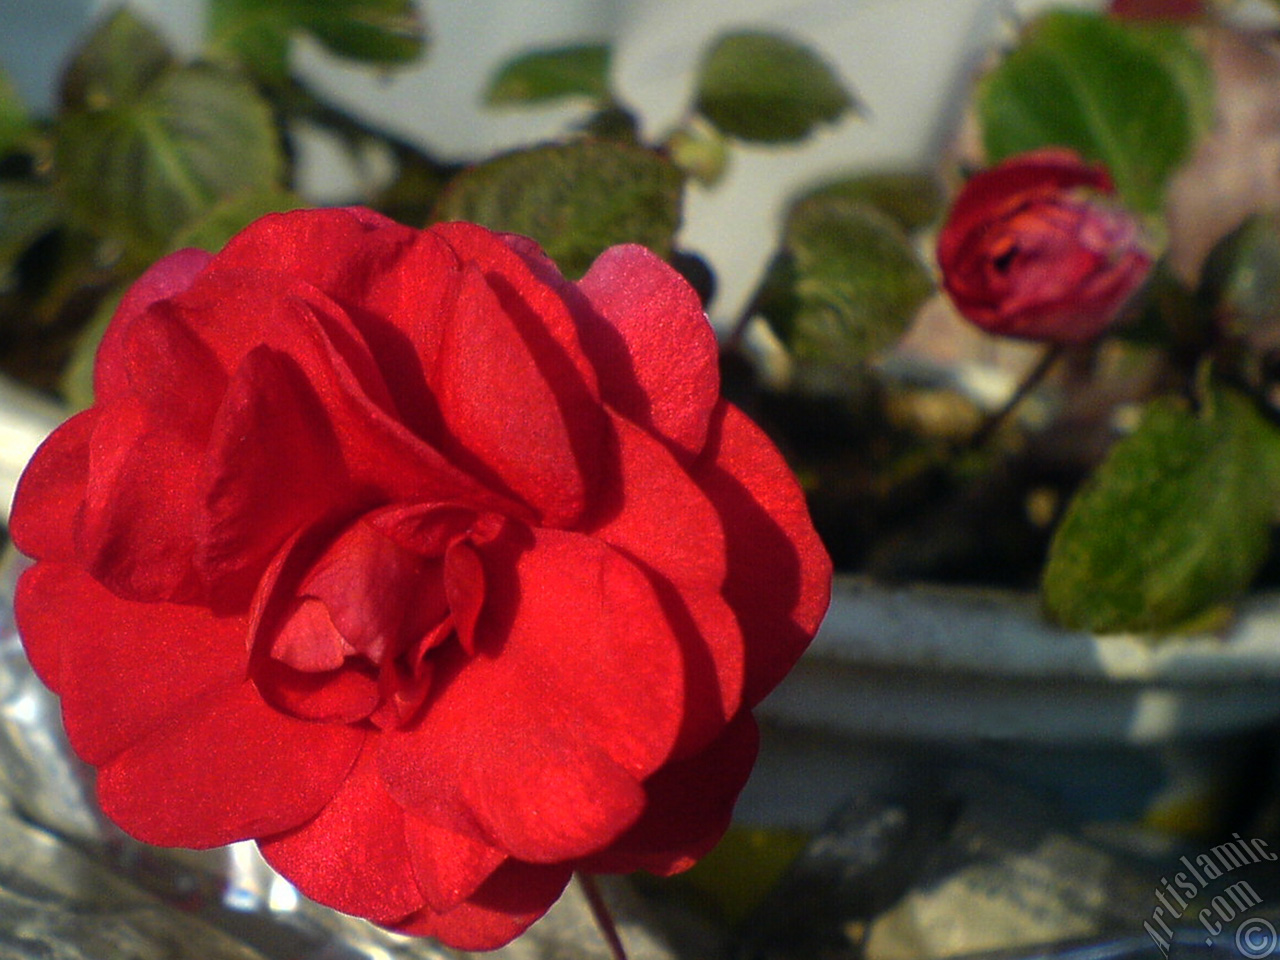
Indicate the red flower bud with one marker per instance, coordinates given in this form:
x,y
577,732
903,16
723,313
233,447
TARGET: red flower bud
x,y
1034,248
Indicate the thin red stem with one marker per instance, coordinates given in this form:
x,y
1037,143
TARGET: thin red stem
x,y
603,918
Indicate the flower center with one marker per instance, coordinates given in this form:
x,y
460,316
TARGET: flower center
x,y
357,633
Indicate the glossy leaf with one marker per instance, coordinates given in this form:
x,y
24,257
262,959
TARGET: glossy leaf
x,y
257,32
575,199
762,87
581,70
1130,97
1175,522
140,170
855,281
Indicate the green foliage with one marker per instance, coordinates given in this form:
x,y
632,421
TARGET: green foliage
x,y
1175,522
224,220
256,33
762,87
144,146
542,76
575,199
1240,280
14,122
911,199
847,283
1133,98
27,212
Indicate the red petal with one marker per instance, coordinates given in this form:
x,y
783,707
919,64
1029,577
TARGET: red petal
x,y
166,277
273,464
989,194
575,694
124,669
37,612
779,577
502,408
667,523
137,524
507,905
688,807
353,856
449,865
51,490
655,351
232,770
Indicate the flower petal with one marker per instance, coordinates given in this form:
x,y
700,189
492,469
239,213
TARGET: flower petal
x,y
503,410
272,465
165,278
137,523
688,807
651,344
51,490
352,856
582,684
168,655
667,524
450,866
231,770
779,576
507,905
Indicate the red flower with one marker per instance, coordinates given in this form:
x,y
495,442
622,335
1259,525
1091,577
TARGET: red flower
x,y
1034,249
436,574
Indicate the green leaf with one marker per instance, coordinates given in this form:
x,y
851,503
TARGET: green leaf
x,y
856,282
545,75
142,169
700,150
1174,522
575,199
121,58
1240,280
762,87
1122,95
913,200
14,122
257,32
223,221
27,212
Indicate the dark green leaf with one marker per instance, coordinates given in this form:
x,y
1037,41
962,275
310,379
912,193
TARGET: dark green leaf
x,y
758,86
1106,89
27,212
545,75
912,200
141,170
122,57
1240,280
14,122
257,32
1175,522
575,199
223,221
857,281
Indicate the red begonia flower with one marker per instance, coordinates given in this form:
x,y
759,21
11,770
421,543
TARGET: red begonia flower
x,y
439,576
1036,248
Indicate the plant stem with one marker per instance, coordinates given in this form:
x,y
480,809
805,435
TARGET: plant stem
x,y
1029,383
603,918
